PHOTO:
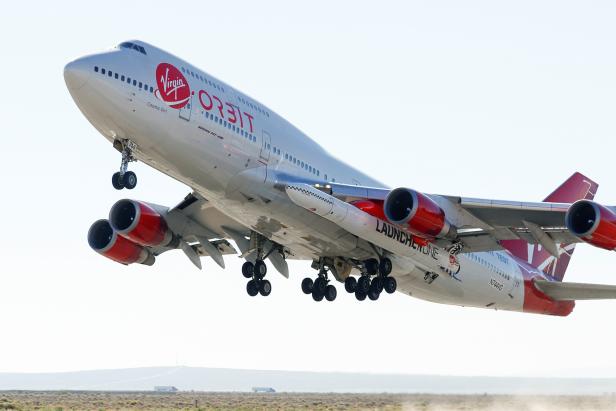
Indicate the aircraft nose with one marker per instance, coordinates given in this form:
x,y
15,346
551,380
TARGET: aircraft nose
x,y
76,74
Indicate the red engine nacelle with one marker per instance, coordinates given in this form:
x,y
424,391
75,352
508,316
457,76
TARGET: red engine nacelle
x,y
419,212
140,223
372,207
104,240
593,223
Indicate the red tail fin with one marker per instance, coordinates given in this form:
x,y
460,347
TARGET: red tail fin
x,y
575,188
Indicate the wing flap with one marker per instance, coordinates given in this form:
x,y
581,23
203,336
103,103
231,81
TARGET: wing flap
x,y
576,291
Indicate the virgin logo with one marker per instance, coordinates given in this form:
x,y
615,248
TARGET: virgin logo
x,y
173,88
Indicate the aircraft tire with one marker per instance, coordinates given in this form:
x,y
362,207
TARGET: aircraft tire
x,y
116,181
361,296
390,285
307,285
363,284
331,293
260,268
377,284
248,269
252,288
129,180
265,288
350,284
316,295
372,266
385,267
320,284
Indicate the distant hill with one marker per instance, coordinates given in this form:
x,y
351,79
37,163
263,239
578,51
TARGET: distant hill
x,y
218,379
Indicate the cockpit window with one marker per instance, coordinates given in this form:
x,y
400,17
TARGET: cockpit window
x,y
129,45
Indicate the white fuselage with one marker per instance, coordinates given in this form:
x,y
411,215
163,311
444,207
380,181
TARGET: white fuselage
x,y
232,150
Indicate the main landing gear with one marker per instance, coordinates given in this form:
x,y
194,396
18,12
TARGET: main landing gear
x,y
123,178
372,288
256,271
320,287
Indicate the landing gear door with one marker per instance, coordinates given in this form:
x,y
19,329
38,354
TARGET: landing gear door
x,y
186,110
266,146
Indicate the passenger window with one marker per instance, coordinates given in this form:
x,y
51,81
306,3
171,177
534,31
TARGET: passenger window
x,y
109,73
140,84
102,71
122,78
116,76
134,82
128,80
96,69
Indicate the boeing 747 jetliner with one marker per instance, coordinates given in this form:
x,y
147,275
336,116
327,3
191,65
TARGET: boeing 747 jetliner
x,y
264,190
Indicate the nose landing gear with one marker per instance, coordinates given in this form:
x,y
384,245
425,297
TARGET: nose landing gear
x,y
123,178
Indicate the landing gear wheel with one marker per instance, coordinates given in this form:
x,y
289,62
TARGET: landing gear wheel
x,y
265,288
316,295
390,285
330,293
350,284
260,269
307,285
248,269
116,181
372,266
363,284
252,288
373,295
361,296
320,284
129,180
377,284
385,267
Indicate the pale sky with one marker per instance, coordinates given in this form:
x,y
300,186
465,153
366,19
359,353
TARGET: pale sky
x,y
477,98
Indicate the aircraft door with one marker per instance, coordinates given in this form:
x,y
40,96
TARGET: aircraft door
x,y
186,110
266,147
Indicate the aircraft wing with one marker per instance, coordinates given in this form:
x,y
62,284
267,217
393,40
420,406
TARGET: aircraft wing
x,y
482,223
203,229
199,222
576,291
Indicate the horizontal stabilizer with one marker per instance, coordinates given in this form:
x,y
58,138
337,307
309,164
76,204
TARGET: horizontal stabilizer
x,y
576,291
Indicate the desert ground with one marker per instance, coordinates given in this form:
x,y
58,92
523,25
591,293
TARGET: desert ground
x,y
97,400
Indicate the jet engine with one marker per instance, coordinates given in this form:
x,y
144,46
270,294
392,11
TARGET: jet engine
x,y
418,212
593,223
140,223
104,240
